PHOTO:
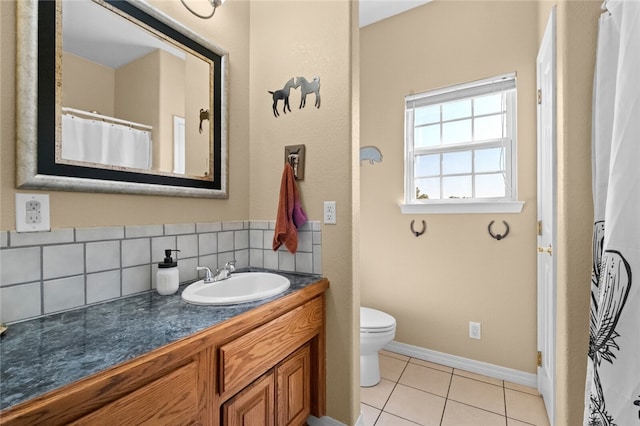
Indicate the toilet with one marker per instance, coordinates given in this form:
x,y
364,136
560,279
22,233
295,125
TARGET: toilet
x,y
377,328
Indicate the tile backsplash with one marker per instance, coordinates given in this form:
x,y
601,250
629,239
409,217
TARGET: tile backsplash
x,y
46,272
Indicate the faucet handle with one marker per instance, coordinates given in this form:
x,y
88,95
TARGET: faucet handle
x,y
230,265
208,277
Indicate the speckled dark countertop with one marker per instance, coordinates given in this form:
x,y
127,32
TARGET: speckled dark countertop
x,y
43,354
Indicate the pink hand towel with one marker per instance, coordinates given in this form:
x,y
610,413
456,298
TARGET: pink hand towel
x,y
290,214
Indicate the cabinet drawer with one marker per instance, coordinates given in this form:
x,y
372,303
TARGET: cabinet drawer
x,y
251,355
170,400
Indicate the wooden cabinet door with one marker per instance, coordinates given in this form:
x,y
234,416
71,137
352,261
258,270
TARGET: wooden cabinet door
x,y
253,406
293,397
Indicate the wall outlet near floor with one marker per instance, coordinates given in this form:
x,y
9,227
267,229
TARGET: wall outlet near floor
x,y
475,330
330,212
32,212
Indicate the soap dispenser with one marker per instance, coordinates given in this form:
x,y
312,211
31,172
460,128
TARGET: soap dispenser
x,y
168,276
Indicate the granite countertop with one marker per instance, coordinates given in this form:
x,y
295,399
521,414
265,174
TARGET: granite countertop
x,y
44,354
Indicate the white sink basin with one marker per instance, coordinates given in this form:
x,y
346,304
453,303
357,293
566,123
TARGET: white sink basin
x,y
239,288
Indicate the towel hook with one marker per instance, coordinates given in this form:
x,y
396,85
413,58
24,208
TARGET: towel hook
x,y
498,236
418,233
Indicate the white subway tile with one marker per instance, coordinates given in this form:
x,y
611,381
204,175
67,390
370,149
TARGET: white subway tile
x,y
256,239
58,236
136,279
103,256
316,225
208,227
188,246
136,252
241,240
4,239
270,259
233,225
62,260
210,261
187,269
138,231
256,258
97,234
225,241
317,259
63,294
20,265
180,228
304,262
286,261
268,239
242,258
317,237
208,243
305,241
225,257
103,286
159,245
259,224
20,302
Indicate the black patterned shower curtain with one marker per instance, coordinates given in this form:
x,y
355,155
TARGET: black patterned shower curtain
x,y
613,373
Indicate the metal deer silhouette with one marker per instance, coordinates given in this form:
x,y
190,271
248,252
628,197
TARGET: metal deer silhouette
x,y
284,95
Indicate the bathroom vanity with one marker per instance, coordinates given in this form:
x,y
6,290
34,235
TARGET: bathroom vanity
x,y
261,363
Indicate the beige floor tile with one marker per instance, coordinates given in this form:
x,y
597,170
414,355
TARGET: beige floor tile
x,y
479,377
415,405
391,368
426,379
457,414
387,419
431,365
512,422
478,394
369,414
376,396
527,408
394,355
521,388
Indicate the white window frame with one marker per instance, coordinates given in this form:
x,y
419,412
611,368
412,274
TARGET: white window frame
x,y
507,204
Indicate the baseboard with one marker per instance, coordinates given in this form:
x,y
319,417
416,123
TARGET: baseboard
x,y
327,421
479,367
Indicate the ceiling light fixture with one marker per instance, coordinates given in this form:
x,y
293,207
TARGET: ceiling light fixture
x,y
214,4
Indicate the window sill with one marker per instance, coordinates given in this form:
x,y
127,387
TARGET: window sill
x,y
463,208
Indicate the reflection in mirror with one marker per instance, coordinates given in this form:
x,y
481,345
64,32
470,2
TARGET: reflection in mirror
x,y
128,100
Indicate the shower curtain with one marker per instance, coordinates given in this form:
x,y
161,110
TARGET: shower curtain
x,y
96,141
613,372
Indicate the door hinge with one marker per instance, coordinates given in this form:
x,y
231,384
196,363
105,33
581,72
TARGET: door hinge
x,y
539,227
539,96
539,359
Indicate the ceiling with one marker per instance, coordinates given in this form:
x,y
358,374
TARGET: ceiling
x,y
376,10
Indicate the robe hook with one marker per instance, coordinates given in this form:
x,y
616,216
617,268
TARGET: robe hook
x,y
498,236
418,233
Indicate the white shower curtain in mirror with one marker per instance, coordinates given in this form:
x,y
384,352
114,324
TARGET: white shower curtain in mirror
x,y
613,373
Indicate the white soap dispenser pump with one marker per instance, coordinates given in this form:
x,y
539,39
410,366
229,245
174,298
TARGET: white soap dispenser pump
x,y
168,275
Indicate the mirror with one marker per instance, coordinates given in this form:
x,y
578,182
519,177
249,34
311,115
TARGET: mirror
x,y
139,107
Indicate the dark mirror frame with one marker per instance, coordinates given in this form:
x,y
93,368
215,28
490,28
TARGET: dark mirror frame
x,y
36,109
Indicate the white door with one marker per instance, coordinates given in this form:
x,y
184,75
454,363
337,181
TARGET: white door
x,y
546,82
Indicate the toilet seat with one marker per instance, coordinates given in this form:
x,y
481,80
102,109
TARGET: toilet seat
x,y
374,321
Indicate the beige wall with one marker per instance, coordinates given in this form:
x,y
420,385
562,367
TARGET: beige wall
x,y
268,42
577,32
88,78
455,273
305,47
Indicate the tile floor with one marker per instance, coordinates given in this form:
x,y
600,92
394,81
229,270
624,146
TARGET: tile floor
x,y
415,392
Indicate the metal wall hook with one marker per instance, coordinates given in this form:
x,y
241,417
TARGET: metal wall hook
x,y
418,233
498,236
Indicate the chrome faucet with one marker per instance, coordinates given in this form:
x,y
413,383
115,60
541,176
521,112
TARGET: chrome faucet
x,y
208,277
225,272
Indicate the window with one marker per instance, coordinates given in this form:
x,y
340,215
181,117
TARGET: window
x,y
460,145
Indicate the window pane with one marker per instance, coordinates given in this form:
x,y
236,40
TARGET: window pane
x,y
492,185
487,104
456,132
428,189
488,127
456,187
458,109
427,115
427,136
489,160
456,162
427,165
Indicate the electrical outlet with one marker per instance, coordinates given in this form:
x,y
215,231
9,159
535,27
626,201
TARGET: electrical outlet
x,y
32,212
330,212
475,330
